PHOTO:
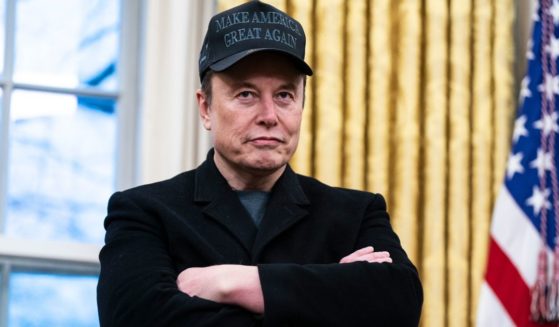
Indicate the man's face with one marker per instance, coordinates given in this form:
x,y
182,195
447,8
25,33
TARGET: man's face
x,y
255,113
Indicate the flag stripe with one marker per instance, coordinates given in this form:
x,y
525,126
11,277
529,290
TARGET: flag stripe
x,y
516,236
490,310
507,284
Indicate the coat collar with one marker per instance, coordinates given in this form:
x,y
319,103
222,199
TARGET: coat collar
x,y
284,209
222,204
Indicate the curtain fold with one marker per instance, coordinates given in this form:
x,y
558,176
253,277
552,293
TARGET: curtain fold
x,y
378,109
481,128
171,136
354,125
404,134
459,218
414,100
304,11
328,72
434,90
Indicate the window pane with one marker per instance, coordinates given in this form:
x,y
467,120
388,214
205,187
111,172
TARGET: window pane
x,y
52,300
67,43
2,33
61,166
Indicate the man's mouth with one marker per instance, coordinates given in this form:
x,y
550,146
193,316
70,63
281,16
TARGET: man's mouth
x,y
265,140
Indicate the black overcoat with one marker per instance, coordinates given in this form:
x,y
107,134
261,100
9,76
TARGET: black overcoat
x,y
195,220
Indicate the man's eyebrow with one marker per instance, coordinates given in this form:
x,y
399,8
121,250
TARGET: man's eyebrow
x,y
242,84
289,86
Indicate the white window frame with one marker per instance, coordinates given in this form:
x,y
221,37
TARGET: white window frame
x,y
70,257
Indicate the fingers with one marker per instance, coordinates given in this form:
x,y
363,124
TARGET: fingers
x,y
375,257
182,281
188,281
365,250
367,254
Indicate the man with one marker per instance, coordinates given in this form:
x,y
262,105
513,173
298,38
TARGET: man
x,y
242,240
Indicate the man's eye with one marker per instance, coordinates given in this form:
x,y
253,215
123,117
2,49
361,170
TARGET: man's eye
x,y
245,94
285,95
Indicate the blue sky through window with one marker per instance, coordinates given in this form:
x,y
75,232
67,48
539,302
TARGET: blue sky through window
x,y
67,43
61,167
49,300
61,148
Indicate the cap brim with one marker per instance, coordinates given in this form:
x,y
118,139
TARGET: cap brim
x,y
225,63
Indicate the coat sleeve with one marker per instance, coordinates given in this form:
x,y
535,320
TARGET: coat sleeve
x,y
137,283
353,294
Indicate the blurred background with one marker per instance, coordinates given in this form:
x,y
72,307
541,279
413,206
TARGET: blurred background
x,y
414,99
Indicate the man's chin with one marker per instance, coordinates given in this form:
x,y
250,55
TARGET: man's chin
x,y
266,166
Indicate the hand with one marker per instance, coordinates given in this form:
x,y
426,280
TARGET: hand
x,y
227,284
367,254
202,282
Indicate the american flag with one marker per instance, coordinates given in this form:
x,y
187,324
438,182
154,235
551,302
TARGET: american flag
x,y
521,281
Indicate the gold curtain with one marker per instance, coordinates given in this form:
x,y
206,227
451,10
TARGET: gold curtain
x,y
414,100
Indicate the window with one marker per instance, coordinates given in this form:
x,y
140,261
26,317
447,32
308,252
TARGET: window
x,y
67,97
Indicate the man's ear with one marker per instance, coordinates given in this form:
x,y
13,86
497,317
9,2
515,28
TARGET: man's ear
x,y
204,109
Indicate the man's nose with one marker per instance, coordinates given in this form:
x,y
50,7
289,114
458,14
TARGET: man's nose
x,y
267,115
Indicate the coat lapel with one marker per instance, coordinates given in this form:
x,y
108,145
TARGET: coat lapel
x,y
286,207
283,211
222,204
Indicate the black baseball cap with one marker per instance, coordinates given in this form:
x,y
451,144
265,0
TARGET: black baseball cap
x,y
251,27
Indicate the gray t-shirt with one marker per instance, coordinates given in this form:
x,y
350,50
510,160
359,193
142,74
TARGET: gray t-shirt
x,y
255,203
